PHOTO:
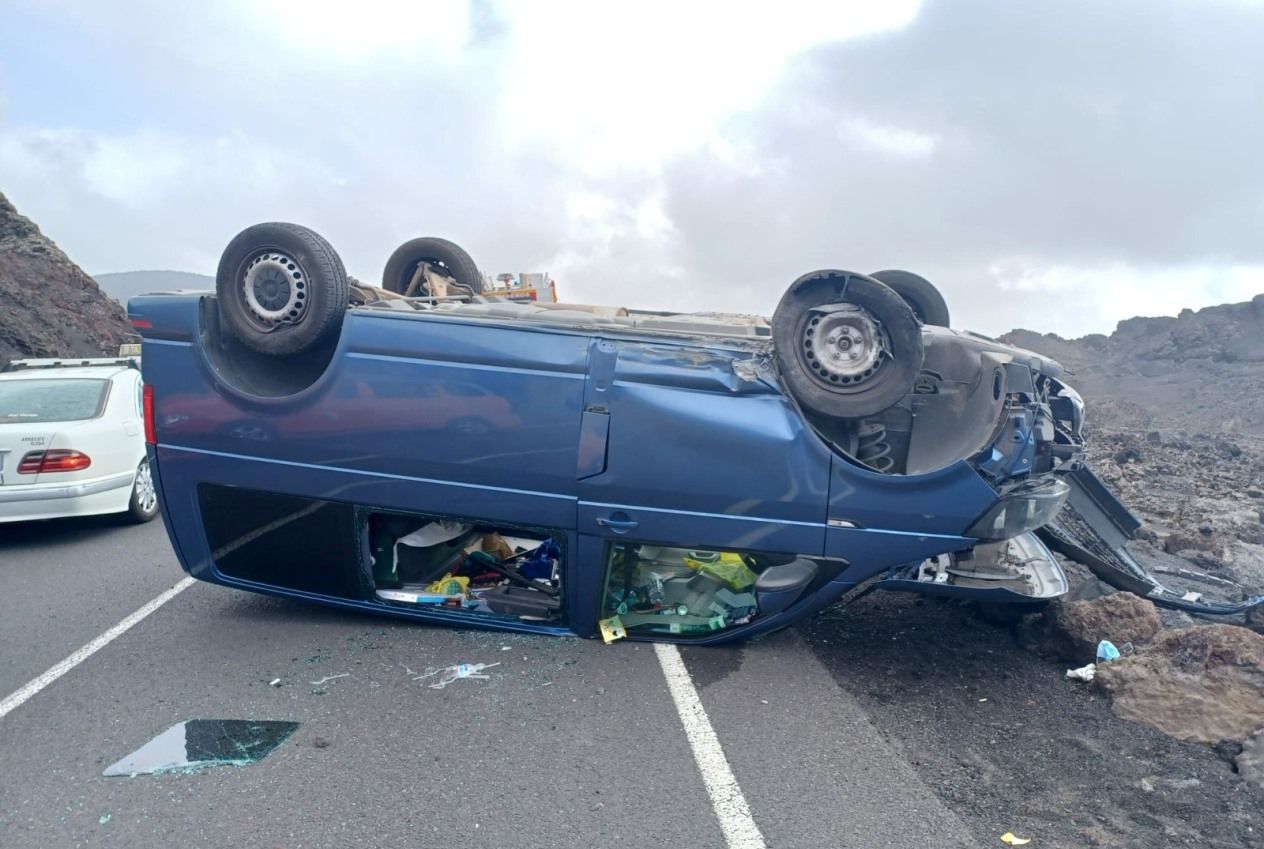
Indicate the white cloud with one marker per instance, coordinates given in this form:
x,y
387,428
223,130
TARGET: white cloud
x,y
652,221
883,138
150,198
631,84
1094,298
375,30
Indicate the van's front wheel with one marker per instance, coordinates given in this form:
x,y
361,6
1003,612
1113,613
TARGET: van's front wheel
x,y
847,346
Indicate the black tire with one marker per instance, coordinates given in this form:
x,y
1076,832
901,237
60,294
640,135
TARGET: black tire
x,y
143,506
281,289
928,304
402,264
881,334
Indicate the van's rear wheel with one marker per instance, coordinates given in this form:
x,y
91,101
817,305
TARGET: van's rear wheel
x,y
281,289
847,346
446,257
927,303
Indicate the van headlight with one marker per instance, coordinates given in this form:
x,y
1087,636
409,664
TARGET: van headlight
x,y
1068,406
1024,509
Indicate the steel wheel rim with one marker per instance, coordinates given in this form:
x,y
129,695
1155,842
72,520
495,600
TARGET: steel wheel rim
x,y
274,289
842,346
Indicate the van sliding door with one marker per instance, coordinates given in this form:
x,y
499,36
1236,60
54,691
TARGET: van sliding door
x,y
680,450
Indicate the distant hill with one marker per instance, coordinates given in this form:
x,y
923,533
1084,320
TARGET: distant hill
x,y
48,306
122,285
1199,371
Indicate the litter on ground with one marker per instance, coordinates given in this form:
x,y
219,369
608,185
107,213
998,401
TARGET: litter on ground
x,y
1084,673
448,674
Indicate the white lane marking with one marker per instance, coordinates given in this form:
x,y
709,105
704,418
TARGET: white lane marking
x,y
740,831
36,684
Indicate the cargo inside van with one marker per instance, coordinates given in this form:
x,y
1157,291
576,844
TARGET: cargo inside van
x,y
345,551
478,569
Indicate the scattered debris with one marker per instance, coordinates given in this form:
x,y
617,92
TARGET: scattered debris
x,y
1083,673
1203,684
1008,837
448,674
1106,652
198,743
612,629
328,678
104,818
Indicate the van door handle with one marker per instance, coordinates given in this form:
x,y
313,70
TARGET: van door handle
x,y
617,522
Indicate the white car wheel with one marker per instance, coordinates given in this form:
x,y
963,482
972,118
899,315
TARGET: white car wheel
x,y
144,504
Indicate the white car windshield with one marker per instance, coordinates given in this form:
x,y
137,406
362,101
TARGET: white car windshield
x,y
60,400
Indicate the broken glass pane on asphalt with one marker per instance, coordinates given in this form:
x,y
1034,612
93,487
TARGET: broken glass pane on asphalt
x,y
199,743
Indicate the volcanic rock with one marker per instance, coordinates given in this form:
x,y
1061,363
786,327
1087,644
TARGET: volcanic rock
x,y
48,306
1203,684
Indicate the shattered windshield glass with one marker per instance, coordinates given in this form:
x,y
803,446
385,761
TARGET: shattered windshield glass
x,y
199,743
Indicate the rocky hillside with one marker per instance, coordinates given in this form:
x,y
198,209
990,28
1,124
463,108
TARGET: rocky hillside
x,y
48,306
1175,424
1197,372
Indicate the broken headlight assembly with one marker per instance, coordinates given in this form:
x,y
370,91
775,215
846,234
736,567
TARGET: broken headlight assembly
x,y
1022,509
1068,407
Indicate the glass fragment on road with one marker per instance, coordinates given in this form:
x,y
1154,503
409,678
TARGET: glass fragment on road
x,y
199,743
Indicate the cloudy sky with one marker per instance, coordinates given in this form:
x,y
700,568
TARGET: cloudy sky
x,y
1056,165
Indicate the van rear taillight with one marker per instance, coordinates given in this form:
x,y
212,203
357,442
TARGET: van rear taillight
x,y
147,402
54,460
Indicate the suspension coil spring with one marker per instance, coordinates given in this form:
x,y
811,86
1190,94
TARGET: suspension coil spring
x,y
872,447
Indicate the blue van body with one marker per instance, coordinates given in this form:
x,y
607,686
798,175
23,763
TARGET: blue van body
x,y
593,432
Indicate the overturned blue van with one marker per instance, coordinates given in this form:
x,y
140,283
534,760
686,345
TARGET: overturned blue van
x,y
426,450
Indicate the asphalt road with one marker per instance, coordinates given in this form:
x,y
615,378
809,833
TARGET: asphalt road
x,y
567,743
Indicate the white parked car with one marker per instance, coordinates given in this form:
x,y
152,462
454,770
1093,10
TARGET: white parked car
x,y
72,441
